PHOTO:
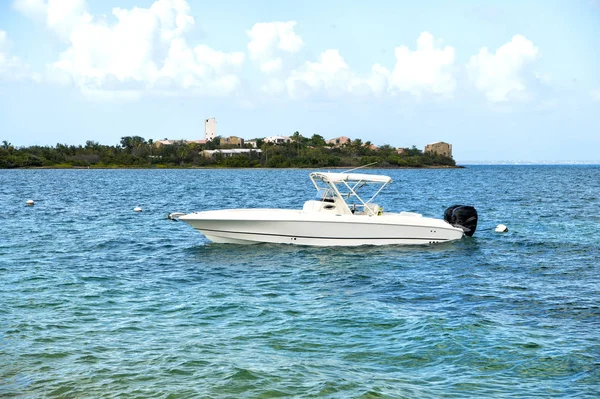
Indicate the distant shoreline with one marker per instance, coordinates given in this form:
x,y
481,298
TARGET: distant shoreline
x,y
232,168
135,152
163,167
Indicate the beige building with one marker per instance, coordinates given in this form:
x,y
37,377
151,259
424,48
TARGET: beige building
x,y
232,140
440,148
160,143
338,141
210,128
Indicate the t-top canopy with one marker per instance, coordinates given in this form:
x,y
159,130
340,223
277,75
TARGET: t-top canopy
x,y
345,177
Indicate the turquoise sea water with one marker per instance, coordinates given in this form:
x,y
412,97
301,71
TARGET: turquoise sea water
x,y
97,301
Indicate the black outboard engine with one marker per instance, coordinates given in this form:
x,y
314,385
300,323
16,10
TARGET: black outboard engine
x,y
462,216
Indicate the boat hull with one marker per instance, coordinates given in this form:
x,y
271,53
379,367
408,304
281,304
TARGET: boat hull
x,y
252,226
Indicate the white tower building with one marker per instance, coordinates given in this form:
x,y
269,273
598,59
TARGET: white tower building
x,y
210,128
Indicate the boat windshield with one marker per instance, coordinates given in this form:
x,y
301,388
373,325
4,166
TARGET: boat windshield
x,y
324,194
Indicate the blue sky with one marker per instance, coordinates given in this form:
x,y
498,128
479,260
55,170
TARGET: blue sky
x,y
506,80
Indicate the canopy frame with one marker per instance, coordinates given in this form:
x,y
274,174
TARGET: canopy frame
x,y
353,182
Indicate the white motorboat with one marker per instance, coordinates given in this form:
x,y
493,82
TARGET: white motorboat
x,y
338,216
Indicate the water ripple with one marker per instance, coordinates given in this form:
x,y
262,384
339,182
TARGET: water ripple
x,y
99,301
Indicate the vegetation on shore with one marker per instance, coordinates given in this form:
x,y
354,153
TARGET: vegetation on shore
x,y
135,151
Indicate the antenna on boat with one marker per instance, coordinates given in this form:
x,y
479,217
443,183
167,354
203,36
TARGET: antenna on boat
x,y
359,167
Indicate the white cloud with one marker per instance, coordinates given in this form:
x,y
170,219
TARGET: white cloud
x,y
138,50
11,66
202,68
270,38
379,79
426,69
32,8
272,66
544,78
144,48
595,94
62,16
330,73
500,75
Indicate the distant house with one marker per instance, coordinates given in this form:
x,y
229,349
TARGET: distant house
x,y
277,139
160,143
338,141
401,151
440,148
232,140
251,143
230,152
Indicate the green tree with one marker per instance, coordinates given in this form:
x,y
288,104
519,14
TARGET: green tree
x,y
214,143
297,138
129,143
414,151
317,140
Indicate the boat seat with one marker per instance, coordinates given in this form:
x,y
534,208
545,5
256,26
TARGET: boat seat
x,y
374,207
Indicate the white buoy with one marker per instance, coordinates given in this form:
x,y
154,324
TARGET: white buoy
x,y
30,203
501,229
137,209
